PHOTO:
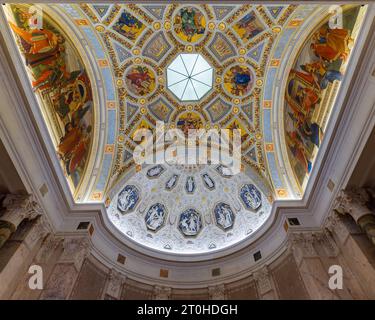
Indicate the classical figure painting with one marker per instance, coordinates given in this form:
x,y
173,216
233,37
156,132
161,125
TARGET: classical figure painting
x,y
155,171
249,26
251,197
224,216
60,80
208,181
190,222
189,24
128,199
140,80
189,121
238,80
312,83
171,183
155,217
129,26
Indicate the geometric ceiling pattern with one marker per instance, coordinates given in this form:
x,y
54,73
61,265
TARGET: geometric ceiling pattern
x,y
142,41
126,50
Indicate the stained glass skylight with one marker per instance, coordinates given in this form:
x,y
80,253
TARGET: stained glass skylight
x,y
189,77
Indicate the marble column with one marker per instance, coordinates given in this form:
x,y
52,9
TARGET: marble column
x,y
162,293
356,252
64,275
265,286
354,202
314,274
17,208
217,292
14,275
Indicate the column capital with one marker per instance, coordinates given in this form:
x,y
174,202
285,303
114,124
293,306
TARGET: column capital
x,y
76,249
19,207
262,277
116,279
354,202
162,293
216,292
39,231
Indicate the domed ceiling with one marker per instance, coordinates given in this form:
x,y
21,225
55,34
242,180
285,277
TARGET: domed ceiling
x,y
188,209
102,71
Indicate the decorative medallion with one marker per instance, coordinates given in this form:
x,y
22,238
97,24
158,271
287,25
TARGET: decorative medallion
x,y
239,80
208,181
190,222
189,24
251,197
128,199
190,184
155,217
189,120
224,171
155,171
171,183
140,80
224,216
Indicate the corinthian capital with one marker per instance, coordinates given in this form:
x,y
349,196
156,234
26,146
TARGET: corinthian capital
x,y
20,207
354,202
262,277
116,280
217,292
162,293
76,250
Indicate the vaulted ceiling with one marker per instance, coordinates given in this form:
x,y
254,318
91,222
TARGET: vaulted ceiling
x,y
100,72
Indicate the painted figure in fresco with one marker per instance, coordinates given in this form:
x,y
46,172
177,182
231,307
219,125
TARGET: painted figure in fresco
x,y
155,217
190,22
310,131
190,222
66,91
190,185
251,196
250,26
224,171
155,171
128,25
298,150
322,73
224,215
188,122
171,182
140,80
239,79
127,199
39,40
331,44
208,181
45,55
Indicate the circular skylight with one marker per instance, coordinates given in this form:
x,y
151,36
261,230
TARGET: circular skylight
x,y
189,77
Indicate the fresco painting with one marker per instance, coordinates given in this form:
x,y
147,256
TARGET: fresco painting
x,y
317,72
189,24
59,78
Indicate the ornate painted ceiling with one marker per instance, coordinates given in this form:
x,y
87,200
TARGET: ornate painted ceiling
x,y
100,72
